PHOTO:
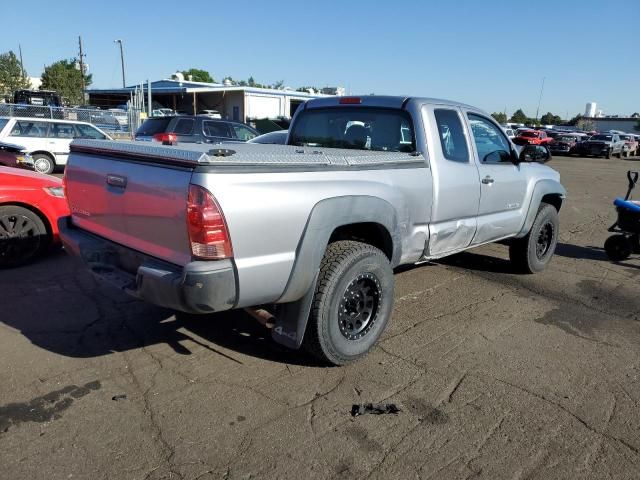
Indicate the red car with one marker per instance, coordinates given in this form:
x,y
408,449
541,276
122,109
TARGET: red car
x,y
533,137
30,205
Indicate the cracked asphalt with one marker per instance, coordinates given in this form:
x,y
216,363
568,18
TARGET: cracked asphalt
x,y
498,375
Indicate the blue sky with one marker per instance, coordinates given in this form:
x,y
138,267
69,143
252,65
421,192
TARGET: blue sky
x,y
491,54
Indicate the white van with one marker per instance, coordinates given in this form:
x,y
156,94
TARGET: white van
x,y
47,140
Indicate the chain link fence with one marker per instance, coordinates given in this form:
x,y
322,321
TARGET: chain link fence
x,y
116,122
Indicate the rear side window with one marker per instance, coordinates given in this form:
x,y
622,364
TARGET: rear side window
x,y
87,131
152,126
28,128
451,135
3,123
360,128
216,129
184,126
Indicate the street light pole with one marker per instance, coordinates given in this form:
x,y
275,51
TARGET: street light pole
x,y
121,60
540,99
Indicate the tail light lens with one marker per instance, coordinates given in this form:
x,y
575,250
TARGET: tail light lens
x,y
166,138
208,233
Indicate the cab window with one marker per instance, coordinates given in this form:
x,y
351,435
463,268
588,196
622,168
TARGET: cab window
x,y
243,133
491,143
87,131
451,135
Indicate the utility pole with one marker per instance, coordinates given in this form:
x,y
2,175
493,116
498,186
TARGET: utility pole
x,y
21,64
540,99
81,59
119,41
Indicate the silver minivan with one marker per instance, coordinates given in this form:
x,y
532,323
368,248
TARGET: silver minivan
x,y
47,140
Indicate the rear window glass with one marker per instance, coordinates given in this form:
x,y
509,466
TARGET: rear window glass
x,y
152,126
27,128
360,128
529,134
3,123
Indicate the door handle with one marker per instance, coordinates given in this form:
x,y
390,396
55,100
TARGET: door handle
x,y
487,180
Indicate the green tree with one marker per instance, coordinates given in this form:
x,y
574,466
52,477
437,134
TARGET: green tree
x,y
519,117
574,121
63,77
278,85
584,124
198,75
550,119
12,76
500,117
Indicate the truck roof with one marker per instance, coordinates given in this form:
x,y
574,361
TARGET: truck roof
x,y
382,101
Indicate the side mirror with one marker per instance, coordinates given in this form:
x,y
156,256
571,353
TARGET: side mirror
x,y
535,153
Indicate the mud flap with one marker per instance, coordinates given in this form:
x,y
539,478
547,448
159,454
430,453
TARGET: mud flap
x,y
291,319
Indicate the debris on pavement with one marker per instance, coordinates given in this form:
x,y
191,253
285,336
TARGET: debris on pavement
x,y
117,398
374,409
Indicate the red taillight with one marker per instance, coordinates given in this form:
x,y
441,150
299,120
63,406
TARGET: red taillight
x,y
208,233
166,138
350,100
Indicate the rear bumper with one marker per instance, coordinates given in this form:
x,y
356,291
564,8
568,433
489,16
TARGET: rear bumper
x,y
197,287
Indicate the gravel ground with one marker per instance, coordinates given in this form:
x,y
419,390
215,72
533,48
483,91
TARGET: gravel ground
x,y
497,375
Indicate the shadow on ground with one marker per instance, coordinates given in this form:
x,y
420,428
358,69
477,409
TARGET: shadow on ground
x,y
58,306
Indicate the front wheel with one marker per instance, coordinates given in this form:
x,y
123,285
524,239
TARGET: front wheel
x,y
532,253
618,248
352,302
23,236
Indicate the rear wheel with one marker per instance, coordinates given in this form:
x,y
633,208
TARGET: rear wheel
x,y
43,163
618,248
532,253
23,236
352,303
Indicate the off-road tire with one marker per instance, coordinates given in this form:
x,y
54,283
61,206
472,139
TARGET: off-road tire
x,y
618,248
23,236
349,266
39,162
525,253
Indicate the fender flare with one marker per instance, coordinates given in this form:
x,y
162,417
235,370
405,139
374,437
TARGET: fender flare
x,y
541,188
295,303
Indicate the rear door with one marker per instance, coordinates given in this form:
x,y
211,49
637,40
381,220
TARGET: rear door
x,y
216,131
456,191
60,136
184,128
503,185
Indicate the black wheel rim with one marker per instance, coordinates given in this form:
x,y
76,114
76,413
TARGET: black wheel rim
x,y
545,238
19,238
359,306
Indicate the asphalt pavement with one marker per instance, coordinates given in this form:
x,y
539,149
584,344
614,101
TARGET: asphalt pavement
x,y
496,374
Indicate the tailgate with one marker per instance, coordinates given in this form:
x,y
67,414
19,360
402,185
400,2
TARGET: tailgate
x,y
139,205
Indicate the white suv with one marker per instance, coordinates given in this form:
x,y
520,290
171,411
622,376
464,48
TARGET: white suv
x,y
46,140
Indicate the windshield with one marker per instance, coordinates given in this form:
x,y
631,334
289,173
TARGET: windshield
x,y
529,134
625,137
360,128
602,137
152,126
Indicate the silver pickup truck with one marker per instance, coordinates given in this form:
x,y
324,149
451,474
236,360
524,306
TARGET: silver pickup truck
x,y
310,232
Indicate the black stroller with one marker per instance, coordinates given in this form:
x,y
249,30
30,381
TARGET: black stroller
x,y
627,227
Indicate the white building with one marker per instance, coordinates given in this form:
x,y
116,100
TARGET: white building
x,y
234,102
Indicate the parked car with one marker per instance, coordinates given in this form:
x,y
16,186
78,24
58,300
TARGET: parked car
x,y
15,156
30,205
510,132
631,147
210,113
603,145
565,143
532,137
47,140
120,115
193,129
279,137
310,232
